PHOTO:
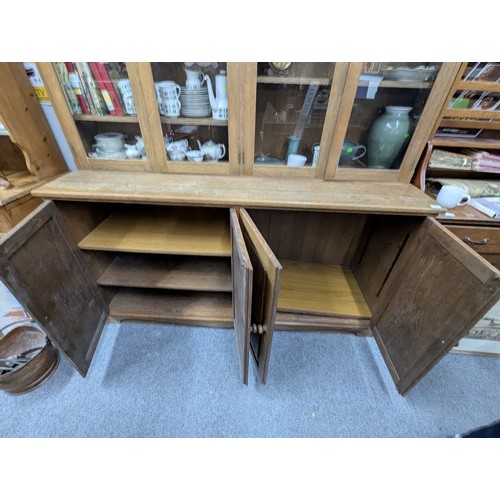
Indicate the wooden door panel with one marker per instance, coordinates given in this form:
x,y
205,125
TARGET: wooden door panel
x,y
44,269
443,288
242,275
266,282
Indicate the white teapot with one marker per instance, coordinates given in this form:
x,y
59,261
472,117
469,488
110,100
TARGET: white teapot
x,y
212,151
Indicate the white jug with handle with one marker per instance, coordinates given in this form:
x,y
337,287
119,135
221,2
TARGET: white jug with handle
x,y
218,102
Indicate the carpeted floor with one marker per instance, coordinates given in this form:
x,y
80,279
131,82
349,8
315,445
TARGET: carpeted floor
x,y
152,380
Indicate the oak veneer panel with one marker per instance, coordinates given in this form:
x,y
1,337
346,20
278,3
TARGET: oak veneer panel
x,y
169,272
321,289
186,308
166,230
228,191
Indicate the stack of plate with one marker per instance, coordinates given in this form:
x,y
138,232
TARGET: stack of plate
x,y
110,145
195,103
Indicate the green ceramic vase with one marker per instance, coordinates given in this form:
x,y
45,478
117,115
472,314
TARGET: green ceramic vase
x,y
388,135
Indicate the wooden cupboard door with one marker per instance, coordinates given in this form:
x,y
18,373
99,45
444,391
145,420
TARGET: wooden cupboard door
x,y
265,290
439,288
242,276
44,269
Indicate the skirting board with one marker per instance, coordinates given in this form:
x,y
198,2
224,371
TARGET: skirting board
x,y
478,346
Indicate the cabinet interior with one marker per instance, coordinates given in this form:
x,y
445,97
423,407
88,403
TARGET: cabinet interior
x,y
170,263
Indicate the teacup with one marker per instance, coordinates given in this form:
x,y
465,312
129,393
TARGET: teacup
x,y
193,81
295,160
350,150
178,146
195,156
451,197
177,155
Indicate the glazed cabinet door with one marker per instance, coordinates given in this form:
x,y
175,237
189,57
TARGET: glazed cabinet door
x,y
104,111
289,113
387,113
44,269
262,272
437,289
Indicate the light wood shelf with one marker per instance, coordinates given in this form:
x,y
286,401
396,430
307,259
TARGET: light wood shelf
x,y
209,274
471,113
458,142
107,118
194,121
487,125
394,84
163,230
293,80
320,289
187,308
478,86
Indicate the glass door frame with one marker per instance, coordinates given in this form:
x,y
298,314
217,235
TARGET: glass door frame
x,y
430,114
248,73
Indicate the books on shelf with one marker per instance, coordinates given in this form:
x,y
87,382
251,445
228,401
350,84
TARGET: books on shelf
x,y
488,205
90,88
479,100
466,133
467,159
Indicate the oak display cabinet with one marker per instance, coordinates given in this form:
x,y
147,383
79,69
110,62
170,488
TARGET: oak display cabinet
x,y
256,247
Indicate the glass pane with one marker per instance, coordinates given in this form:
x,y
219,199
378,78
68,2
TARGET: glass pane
x,y
100,98
193,104
292,99
389,101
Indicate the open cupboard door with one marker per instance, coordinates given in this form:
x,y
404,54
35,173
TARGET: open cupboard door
x,y
264,293
242,275
437,290
46,272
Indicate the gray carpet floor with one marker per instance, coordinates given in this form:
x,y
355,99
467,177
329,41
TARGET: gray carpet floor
x,y
152,380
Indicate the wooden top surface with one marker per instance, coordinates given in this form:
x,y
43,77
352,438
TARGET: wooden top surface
x,y
248,192
22,183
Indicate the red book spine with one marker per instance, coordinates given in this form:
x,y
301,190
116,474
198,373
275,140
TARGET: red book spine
x,y
78,91
101,84
110,88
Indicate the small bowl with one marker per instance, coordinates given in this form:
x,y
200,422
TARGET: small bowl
x,y
195,156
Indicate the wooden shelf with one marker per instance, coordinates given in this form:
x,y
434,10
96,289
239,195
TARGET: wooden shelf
x,y
195,121
163,230
187,308
107,118
471,113
458,142
489,125
209,274
320,289
394,84
293,80
479,86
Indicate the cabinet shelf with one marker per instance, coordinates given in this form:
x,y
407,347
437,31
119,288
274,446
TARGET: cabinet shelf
x,y
478,86
458,142
393,84
321,289
209,274
194,121
293,80
163,230
187,308
107,118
